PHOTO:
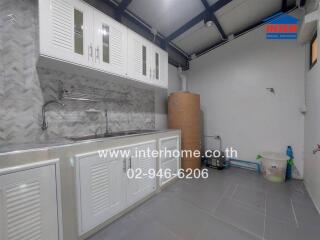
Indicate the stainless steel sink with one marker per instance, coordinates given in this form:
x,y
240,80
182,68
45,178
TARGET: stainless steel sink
x,y
112,134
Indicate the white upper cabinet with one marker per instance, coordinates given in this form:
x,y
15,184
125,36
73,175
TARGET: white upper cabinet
x,y
65,30
139,57
110,41
149,63
159,67
75,32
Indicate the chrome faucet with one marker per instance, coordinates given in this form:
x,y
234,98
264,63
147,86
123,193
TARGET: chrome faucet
x,y
44,125
99,129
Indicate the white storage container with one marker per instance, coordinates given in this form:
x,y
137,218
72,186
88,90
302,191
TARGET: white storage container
x,y
274,166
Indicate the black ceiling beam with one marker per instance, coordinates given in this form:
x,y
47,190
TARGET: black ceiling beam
x,y
121,8
303,2
124,5
238,34
205,4
284,6
215,7
211,16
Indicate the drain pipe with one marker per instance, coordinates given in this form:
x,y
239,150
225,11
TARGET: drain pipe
x,y
183,79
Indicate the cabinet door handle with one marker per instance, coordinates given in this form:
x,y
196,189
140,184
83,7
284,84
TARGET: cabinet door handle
x,y
124,165
97,54
90,51
150,74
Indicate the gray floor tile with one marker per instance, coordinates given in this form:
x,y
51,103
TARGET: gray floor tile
x,y
254,198
204,196
280,207
240,216
181,217
278,189
136,226
310,232
278,230
301,198
152,230
120,229
293,189
215,229
228,205
307,216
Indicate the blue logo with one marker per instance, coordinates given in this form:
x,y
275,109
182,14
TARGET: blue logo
x,y
281,26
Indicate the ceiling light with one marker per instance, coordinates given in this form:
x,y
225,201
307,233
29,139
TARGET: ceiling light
x,y
209,23
230,37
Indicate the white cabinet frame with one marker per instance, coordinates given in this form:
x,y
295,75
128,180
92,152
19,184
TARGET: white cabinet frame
x,y
176,140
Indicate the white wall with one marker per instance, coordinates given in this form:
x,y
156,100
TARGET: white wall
x,y
232,82
174,84
161,97
312,130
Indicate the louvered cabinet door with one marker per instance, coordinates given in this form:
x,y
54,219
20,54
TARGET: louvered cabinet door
x,y
28,205
141,185
66,31
139,58
170,162
100,189
159,66
110,45
164,61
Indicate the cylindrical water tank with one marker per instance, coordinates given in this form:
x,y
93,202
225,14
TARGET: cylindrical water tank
x,y
184,114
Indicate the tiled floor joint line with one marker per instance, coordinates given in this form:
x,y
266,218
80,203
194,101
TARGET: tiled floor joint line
x,y
234,191
265,217
240,228
222,196
248,207
294,214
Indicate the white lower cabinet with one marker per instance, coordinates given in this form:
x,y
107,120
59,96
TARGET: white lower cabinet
x,y
100,185
103,188
141,184
29,205
169,162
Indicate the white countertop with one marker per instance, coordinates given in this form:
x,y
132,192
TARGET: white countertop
x,y
62,142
